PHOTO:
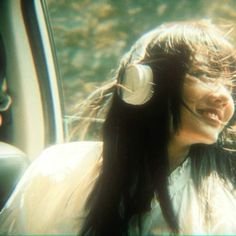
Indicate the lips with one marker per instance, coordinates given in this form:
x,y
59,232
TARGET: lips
x,y
212,116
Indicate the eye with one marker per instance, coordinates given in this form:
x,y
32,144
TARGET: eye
x,y
207,80
202,77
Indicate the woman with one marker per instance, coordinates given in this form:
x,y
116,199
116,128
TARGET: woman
x,y
166,164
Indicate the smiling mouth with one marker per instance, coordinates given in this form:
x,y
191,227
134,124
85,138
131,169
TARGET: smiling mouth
x,y
211,116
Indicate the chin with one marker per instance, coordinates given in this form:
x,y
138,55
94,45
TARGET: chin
x,y
211,138
206,135
209,142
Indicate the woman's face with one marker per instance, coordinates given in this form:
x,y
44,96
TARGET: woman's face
x,y
209,107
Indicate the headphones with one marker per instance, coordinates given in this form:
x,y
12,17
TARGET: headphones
x,y
136,85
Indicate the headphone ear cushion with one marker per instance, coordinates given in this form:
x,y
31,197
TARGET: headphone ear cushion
x,y
137,84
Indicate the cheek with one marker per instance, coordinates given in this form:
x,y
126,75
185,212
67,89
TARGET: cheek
x,y
192,93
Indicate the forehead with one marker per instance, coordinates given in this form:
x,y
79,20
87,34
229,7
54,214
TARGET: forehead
x,y
213,62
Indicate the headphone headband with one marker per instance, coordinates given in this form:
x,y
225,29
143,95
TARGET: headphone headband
x,y
137,84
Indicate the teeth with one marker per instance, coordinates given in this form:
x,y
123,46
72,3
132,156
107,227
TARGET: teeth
x,y
212,115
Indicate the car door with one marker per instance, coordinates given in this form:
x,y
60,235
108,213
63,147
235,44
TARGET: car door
x,y
32,77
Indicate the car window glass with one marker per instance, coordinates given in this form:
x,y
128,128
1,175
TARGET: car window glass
x,y
90,36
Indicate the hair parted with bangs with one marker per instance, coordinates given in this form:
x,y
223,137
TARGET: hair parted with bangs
x,y
135,160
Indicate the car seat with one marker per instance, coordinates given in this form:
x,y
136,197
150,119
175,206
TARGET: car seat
x,y
13,163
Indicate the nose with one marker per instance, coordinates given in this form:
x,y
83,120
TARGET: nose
x,y
221,97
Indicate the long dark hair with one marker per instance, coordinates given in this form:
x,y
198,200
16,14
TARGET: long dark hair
x,y
135,158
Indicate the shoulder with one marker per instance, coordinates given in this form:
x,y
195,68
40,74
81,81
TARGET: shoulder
x,y
71,150
74,147
61,165
68,156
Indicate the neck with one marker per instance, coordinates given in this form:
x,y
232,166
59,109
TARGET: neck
x,y
177,152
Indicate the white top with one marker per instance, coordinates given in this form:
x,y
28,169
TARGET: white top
x,y
51,195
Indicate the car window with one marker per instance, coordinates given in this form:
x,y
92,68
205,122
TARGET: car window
x,y
34,121
90,37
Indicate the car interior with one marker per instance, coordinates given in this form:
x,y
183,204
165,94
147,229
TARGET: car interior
x,y
34,120
13,161
95,34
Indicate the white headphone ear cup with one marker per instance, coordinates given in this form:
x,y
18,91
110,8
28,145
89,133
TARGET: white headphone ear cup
x,y
137,84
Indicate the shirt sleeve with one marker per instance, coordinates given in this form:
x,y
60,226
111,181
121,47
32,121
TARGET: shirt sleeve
x,y
221,207
51,195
